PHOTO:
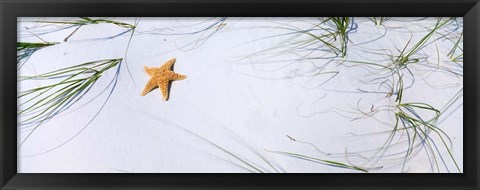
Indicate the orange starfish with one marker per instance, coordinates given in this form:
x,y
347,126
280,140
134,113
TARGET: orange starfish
x,y
161,77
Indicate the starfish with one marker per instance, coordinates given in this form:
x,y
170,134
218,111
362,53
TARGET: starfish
x,y
161,77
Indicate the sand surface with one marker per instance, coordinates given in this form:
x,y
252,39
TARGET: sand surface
x,y
241,102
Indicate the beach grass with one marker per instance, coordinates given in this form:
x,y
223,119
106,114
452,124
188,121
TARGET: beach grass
x,y
26,49
41,103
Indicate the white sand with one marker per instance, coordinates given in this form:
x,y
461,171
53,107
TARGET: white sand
x,y
242,103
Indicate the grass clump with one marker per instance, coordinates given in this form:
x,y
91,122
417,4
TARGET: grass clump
x,y
343,26
379,20
418,122
404,57
26,49
327,36
39,104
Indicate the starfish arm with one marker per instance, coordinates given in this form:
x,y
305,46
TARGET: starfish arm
x,y
149,71
163,85
149,87
177,76
168,65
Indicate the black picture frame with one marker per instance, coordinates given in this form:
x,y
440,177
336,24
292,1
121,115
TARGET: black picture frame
x,y
11,9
